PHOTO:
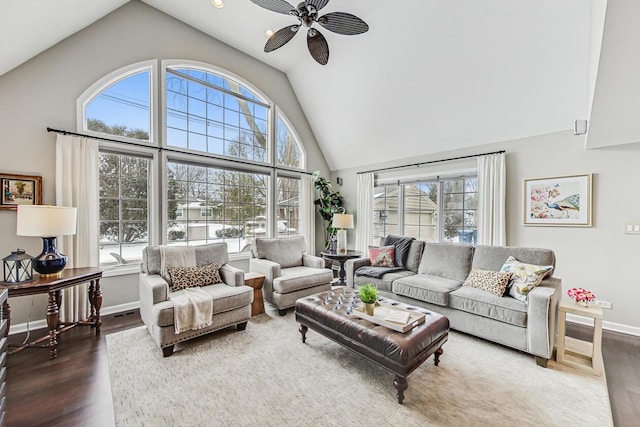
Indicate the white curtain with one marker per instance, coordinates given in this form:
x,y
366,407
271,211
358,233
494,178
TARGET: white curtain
x,y
492,189
308,213
77,178
364,210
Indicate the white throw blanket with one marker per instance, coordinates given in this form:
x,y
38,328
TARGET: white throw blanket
x,y
192,307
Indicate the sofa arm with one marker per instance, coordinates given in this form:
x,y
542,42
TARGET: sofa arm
x,y
231,275
351,266
312,261
542,315
153,289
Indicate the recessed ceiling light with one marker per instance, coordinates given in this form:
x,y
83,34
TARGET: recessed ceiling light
x,y
268,33
218,3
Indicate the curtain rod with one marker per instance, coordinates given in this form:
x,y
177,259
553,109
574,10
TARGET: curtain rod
x,y
66,132
431,161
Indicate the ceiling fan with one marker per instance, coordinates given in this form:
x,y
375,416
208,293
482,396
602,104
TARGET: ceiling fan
x,y
307,14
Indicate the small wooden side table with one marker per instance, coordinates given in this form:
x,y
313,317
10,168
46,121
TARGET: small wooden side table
x,y
583,355
341,258
256,281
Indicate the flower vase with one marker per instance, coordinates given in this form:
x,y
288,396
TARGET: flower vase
x,y
584,304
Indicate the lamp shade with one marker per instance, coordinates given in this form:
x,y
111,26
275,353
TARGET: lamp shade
x,y
46,221
342,221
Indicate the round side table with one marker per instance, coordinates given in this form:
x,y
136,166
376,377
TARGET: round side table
x,y
341,258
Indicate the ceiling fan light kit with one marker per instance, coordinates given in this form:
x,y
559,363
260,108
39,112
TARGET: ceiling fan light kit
x,y
307,14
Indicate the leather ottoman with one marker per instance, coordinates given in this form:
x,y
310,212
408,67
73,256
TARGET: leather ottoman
x,y
330,314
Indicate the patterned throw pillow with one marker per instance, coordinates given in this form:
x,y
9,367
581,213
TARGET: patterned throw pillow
x,y
382,256
190,277
525,277
490,281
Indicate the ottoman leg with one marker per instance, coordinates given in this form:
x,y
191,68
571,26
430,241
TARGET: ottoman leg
x,y
436,356
303,330
401,385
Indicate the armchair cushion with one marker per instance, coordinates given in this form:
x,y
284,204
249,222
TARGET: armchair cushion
x,y
297,278
285,251
190,277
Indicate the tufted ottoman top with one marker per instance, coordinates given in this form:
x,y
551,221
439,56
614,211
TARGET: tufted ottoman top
x,y
331,314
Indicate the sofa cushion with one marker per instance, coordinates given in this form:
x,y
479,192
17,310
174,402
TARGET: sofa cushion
x,y
297,278
383,283
494,282
447,260
426,287
504,309
525,277
402,244
493,257
382,256
191,277
285,251
415,255
224,297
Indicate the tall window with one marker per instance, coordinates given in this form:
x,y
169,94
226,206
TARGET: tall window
x,y
438,210
215,205
124,208
225,142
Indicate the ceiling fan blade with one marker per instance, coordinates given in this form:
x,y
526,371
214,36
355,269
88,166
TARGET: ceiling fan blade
x,y
318,47
343,23
318,4
280,6
281,37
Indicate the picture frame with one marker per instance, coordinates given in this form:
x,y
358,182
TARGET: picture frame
x,y
20,190
558,201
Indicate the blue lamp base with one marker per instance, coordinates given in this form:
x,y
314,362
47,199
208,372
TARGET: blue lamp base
x,y
50,262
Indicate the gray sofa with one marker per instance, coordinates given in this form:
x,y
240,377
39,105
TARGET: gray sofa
x,y
433,279
231,299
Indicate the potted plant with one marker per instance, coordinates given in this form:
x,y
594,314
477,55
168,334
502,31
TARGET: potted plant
x,y
329,203
368,295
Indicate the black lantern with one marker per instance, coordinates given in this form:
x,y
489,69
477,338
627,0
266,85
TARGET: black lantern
x,y
18,267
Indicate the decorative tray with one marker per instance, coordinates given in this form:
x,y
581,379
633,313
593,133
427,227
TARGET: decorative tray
x,y
382,313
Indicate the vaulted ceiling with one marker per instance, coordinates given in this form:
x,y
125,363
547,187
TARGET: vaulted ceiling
x,y
429,76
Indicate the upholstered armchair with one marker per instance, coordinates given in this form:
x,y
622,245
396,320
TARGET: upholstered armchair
x,y
231,299
289,272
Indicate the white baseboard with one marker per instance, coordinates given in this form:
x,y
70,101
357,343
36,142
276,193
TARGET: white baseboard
x,y
40,324
609,326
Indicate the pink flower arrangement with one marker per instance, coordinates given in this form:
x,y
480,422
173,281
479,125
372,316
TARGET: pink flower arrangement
x,y
581,295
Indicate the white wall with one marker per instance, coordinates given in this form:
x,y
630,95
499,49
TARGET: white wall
x,y
43,92
601,258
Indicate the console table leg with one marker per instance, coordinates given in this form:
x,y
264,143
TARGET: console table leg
x,y
92,301
97,296
401,385
6,315
303,330
53,319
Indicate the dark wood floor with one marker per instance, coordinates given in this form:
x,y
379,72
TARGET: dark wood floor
x,y
74,389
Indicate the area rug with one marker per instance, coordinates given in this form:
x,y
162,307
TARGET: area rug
x,y
265,376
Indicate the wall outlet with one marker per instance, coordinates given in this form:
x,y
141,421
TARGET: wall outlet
x,y
631,228
604,304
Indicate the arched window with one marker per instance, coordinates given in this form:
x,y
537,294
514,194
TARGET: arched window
x,y
219,171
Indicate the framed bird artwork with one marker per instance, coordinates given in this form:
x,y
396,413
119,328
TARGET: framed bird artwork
x,y
558,201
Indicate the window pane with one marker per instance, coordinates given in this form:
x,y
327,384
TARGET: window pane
x,y
122,109
210,204
288,207
124,204
288,150
461,203
219,121
385,209
421,210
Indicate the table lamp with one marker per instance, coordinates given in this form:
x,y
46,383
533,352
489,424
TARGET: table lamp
x,y
341,222
47,222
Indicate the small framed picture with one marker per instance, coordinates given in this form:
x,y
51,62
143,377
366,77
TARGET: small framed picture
x,y
20,190
558,201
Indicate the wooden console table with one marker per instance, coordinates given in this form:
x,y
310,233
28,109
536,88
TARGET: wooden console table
x,y
54,286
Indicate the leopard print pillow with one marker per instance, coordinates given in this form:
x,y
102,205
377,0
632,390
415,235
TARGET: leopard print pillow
x,y
491,281
190,277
